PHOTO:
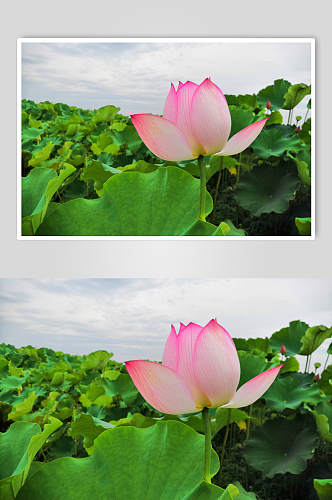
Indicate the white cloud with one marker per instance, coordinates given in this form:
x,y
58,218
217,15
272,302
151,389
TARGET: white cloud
x,y
137,77
132,318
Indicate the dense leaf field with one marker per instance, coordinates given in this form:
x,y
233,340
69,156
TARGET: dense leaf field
x,y
71,159
75,427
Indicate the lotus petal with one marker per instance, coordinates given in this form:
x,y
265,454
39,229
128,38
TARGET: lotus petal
x,y
254,389
171,351
186,341
184,99
242,140
210,117
162,387
216,363
171,106
162,137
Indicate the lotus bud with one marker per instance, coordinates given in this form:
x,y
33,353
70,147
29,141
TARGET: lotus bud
x,y
316,377
283,350
297,130
268,105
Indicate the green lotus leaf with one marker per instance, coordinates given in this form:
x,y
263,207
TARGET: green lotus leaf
x,y
241,118
286,393
127,136
271,142
323,416
162,462
141,166
323,488
38,189
163,203
303,224
290,365
295,94
275,118
42,155
325,381
95,395
221,417
303,163
252,365
233,231
313,338
267,188
32,133
11,382
96,360
329,349
290,336
274,93
21,409
280,446
18,447
105,114
123,385
243,494
260,344
90,428
203,228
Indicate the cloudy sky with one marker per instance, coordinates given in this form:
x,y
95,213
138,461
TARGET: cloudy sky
x,y
132,317
136,76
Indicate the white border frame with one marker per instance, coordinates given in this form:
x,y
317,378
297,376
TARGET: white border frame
x,y
20,41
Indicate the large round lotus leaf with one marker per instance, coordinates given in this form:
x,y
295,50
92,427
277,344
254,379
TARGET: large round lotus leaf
x,y
287,393
323,488
271,142
313,338
280,446
274,93
162,203
252,365
165,461
303,163
290,337
267,188
290,365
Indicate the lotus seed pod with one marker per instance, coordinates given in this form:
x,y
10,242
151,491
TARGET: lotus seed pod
x,y
268,105
283,350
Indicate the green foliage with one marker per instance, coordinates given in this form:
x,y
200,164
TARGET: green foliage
x,y
161,462
290,337
323,488
18,447
281,446
102,143
133,204
267,188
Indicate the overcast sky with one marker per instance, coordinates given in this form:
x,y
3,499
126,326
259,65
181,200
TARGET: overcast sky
x,y
136,76
132,317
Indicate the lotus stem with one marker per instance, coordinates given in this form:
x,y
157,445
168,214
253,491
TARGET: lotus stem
x,y
326,361
207,432
238,171
203,187
224,445
216,193
306,365
309,362
248,426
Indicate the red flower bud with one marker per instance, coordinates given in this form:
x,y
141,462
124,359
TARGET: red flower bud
x,y
297,130
316,377
283,350
268,105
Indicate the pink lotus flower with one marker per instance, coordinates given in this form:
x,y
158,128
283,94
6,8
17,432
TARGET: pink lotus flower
x,y
196,121
200,368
